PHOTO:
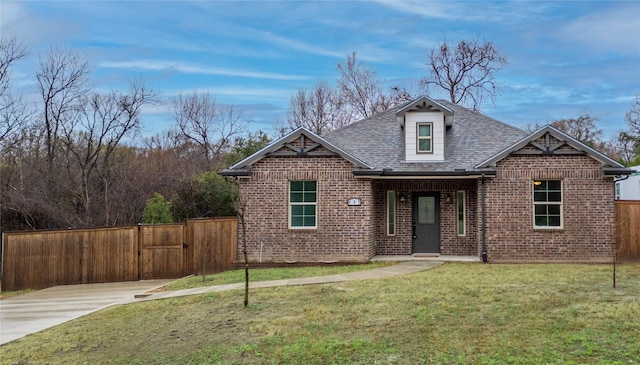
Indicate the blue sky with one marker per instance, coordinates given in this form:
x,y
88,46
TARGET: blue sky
x,y
565,57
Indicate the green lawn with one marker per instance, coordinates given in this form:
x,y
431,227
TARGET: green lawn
x,y
455,313
278,273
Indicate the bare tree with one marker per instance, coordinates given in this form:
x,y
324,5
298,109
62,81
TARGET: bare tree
x,y
314,109
204,122
633,118
196,116
582,128
91,139
241,210
62,84
13,112
359,91
466,71
11,51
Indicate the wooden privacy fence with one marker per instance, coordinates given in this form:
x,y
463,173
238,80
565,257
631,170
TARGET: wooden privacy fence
x,y
43,259
628,228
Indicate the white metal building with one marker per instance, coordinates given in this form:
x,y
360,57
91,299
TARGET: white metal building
x,y
629,188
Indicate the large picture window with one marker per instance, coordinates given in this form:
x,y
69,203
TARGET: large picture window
x,y
303,200
391,213
547,203
424,137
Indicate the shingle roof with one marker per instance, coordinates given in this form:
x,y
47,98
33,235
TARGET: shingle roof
x,y
473,138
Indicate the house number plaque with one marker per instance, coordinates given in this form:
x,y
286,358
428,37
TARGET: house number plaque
x,y
354,202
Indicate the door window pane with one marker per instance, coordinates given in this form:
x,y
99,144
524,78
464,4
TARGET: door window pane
x,y
426,210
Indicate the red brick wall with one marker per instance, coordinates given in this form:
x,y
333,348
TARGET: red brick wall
x,y
588,211
343,231
450,242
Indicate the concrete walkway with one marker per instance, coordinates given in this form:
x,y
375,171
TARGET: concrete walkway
x,y
402,268
36,311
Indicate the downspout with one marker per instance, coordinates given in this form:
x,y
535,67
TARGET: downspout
x,y
484,224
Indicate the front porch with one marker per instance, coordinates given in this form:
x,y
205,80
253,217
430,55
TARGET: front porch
x,y
427,217
445,258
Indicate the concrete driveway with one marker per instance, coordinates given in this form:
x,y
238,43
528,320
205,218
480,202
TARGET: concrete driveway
x,y
33,312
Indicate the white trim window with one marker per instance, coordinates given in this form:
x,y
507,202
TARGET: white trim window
x,y
424,137
391,213
303,202
461,203
547,204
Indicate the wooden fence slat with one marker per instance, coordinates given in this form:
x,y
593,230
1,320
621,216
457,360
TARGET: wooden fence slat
x,y
40,259
628,228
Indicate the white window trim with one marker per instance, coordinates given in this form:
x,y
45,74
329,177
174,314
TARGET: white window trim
x,y
560,203
418,138
392,193
301,203
464,213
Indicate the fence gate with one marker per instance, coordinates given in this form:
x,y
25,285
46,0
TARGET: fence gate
x,y
161,251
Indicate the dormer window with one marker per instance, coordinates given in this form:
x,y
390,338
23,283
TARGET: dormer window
x,y
425,137
425,123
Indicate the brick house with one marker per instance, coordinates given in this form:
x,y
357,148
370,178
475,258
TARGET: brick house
x,y
428,178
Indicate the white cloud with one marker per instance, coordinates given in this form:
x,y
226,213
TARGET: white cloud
x,y
298,46
490,12
615,29
155,65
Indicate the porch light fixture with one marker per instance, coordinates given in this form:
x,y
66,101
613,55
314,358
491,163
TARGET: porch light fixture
x,y
402,198
537,183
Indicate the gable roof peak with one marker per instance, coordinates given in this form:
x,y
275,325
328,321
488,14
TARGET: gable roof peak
x,y
243,167
608,164
425,104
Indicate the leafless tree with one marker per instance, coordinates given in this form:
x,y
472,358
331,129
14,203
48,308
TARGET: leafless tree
x,y
13,112
203,121
359,94
241,210
633,118
314,109
359,91
466,71
582,128
91,139
11,51
62,84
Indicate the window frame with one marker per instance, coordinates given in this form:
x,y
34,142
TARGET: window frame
x,y
419,138
463,200
547,203
303,203
391,226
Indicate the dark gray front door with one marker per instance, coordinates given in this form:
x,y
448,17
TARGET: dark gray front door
x,y
426,223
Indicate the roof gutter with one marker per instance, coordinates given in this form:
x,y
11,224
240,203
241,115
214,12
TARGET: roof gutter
x,y
426,174
617,171
239,172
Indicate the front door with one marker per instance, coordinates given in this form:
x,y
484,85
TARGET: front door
x,y
426,222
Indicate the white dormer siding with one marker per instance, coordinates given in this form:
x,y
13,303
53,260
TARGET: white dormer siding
x,y
412,119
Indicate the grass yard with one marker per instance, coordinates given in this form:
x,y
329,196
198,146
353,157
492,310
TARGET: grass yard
x,y
455,313
279,273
